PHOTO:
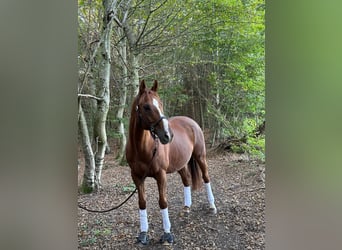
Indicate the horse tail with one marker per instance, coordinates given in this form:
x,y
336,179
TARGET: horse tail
x,y
196,177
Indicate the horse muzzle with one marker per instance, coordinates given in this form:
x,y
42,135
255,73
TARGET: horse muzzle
x,y
165,133
165,137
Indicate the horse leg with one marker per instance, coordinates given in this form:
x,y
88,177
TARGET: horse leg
x,y
167,237
202,162
185,175
139,183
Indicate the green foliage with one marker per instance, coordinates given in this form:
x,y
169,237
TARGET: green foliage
x,y
112,123
173,102
89,241
235,45
86,189
94,236
105,231
239,149
129,188
256,147
249,126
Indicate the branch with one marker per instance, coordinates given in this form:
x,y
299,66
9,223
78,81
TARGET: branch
x,y
157,8
142,33
90,64
143,30
170,18
117,21
90,96
126,13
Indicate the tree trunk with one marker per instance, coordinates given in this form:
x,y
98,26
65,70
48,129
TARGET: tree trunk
x,y
133,50
103,91
135,73
123,97
91,107
89,168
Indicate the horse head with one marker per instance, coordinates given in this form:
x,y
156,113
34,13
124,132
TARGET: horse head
x,y
150,112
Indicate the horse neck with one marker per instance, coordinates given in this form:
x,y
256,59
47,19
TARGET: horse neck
x,y
139,138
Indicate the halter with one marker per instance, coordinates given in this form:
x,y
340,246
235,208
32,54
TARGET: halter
x,y
154,135
153,125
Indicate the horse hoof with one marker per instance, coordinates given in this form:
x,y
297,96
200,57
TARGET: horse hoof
x,y
213,210
142,238
166,239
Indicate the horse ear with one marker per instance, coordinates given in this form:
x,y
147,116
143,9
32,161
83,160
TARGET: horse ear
x,y
155,86
142,87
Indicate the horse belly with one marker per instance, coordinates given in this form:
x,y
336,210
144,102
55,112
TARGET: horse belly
x,y
186,137
179,156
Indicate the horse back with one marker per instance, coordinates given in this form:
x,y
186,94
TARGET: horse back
x,y
187,125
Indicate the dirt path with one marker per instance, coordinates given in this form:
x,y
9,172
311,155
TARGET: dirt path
x,y
239,190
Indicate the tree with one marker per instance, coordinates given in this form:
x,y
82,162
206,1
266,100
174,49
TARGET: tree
x,y
122,50
92,179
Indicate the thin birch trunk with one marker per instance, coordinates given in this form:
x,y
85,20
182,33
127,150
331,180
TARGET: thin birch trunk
x,y
103,91
90,109
89,168
133,50
123,97
135,75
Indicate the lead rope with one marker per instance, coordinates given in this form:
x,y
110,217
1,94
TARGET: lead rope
x,y
110,209
117,206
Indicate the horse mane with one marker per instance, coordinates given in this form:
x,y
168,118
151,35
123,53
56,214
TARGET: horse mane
x,y
134,107
133,118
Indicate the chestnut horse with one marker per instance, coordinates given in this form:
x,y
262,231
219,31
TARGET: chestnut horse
x,y
158,146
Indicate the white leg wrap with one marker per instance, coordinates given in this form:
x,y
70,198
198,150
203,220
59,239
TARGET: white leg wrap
x,y
210,194
187,196
143,220
166,220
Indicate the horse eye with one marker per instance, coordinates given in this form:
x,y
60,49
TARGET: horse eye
x,y
147,107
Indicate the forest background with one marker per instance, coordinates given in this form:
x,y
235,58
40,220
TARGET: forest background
x,y
208,57
303,75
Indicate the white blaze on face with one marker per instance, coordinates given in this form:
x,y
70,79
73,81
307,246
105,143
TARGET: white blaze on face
x,y
165,122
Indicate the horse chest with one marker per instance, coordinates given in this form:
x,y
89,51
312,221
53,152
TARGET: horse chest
x,y
148,167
